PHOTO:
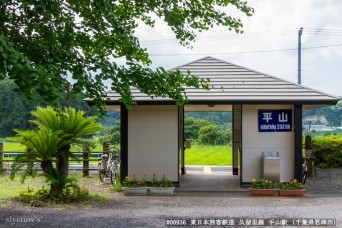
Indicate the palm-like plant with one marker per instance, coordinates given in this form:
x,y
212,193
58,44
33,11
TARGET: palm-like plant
x,y
41,149
73,125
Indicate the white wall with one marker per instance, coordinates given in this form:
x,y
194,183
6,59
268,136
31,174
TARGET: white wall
x,y
254,143
153,141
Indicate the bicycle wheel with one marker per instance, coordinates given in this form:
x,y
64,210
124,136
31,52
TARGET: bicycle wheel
x,y
102,173
304,178
113,176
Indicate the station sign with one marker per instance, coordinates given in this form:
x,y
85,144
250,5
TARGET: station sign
x,y
275,120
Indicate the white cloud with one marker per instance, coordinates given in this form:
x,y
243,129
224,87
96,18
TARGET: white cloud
x,y
274,26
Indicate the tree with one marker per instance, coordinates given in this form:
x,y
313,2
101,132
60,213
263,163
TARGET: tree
x,y
111,135
45,43
14,111
192,127
207,135
73,126
210,135
224,137
42,148
218,118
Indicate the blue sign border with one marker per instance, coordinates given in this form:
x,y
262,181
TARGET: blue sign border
x,y
275,120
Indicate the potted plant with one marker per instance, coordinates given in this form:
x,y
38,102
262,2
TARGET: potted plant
x,y
161,187
291,188
262,187
132,186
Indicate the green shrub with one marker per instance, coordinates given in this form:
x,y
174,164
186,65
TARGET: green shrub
x,y
68,195
327,151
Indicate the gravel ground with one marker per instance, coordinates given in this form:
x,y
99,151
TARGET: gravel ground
x,y
320,202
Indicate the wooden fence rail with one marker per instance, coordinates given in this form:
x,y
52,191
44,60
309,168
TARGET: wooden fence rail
x,y
5,161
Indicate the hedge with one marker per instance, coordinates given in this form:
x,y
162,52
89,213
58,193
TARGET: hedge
x,y
327,151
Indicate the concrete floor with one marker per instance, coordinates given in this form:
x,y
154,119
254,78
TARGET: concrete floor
x,y
209,179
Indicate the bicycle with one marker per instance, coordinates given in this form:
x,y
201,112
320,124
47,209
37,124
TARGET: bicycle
x,y
109,167
103,167
305,170
114,168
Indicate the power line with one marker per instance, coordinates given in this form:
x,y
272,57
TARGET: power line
x,y
324,29
283,32
223,37
250,52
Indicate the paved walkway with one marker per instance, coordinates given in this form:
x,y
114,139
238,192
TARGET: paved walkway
x,y
226,170
209,179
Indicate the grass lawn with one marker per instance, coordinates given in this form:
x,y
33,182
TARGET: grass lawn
x,y
12,188
17,147
196,155
208,155
13,146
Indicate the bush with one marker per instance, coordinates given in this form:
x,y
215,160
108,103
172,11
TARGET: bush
x,y
327,152
210,135
44,195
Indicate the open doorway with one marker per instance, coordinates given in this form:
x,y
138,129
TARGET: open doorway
x,y
210,134
208,163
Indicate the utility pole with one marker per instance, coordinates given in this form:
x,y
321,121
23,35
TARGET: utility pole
x,y
300,31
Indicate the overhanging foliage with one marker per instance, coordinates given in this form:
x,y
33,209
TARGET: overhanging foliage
x,y
43,44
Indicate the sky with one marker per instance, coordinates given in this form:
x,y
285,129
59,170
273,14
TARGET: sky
x,y
269,43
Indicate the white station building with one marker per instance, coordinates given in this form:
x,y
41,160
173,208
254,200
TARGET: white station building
x,y
267,117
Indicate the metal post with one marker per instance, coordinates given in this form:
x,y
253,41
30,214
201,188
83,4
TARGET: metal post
x,y
300,31
308,155
1,155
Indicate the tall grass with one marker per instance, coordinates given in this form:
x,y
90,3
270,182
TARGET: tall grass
x,y
208,155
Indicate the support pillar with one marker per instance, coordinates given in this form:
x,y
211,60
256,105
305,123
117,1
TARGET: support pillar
x,y
181,139
124,142
298,156
237,126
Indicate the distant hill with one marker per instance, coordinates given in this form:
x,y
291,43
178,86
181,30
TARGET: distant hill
x,y
331,115
218,118
15,112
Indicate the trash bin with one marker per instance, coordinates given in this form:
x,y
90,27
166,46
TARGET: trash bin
x,y
187,143
270,166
